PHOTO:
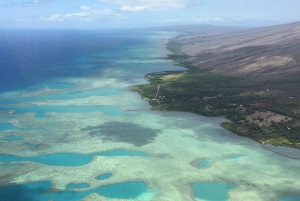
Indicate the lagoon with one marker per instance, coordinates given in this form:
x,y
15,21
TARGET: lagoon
x,y
80,185
104,176
41,110
290,198
119,120
12,138
211,191
204,164
69,159
40,191
7,126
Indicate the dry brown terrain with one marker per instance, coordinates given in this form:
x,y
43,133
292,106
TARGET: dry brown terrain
x,y
268,117
264,57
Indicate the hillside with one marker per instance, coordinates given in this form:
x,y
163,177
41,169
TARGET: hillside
x,y
251,77
264,55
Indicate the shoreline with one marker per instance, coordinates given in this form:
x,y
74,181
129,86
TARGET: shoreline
x,y
179,59
288,152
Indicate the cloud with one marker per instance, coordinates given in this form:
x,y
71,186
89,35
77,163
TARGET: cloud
x,y
34,3
85,8
56,17
44,1
86,14
139,5
90,14
217,19
200,20
134,8
172,20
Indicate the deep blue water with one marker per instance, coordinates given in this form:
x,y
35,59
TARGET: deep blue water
x,y
69,159
28,57
37,60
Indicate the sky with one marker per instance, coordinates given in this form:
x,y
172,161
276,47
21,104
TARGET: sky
x,y
114,14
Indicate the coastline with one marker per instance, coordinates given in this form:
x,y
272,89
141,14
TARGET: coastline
x,y
235,125
183,137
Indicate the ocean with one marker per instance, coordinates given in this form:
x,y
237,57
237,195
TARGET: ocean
x,y
72,129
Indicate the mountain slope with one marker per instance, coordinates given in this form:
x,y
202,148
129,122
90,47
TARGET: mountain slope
x,y
269,55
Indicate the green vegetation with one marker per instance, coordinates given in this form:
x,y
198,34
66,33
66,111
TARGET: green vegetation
x,y
287,106
211,94
230,126
284,134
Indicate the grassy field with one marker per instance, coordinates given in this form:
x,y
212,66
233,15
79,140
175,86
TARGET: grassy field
x,y
211,94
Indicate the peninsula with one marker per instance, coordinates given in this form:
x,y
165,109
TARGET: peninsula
x,y
251,77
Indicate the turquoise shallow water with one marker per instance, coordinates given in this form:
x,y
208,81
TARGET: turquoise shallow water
x,y
9,165
47,135
73,94
39,191
290,198
234,157
40,111
80,185
32,145
69,159
12,138
123,68
211,191
204,164
163,156
53,83
7,126
104,176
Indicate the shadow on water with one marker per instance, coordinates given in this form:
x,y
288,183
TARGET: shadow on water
x,y
124,132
